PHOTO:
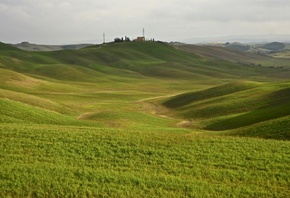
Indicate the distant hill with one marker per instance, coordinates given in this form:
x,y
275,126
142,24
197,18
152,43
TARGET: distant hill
x,y
274,46
239,47
235,52
38,47
248,39
263,48
138,59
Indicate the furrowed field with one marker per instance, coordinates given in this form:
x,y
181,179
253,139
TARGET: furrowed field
x,y
141,120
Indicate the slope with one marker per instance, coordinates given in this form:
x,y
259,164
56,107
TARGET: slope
x,y
97,80
236,105
126,61
17,112
232,55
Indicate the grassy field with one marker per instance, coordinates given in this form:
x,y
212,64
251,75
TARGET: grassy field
x,y
65,161
141,120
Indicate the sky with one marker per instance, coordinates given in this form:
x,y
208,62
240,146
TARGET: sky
x,y
85,21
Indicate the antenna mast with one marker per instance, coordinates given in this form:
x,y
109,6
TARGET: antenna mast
x,y
104,38
143,32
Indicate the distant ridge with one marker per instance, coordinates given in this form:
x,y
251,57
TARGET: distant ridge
x,y
265,38
39,47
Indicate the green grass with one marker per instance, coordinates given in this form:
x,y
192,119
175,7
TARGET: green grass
x,y
16,112
54,161
272,129
128,60
235,105
141,120
252,117
187,98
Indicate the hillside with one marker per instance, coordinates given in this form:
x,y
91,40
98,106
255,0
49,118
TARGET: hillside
x,y
143,119
238,105
55,80
125,67
131,60
239,53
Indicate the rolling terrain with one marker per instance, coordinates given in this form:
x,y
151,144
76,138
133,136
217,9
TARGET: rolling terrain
x,y
246,108
240,53
143,119
35,47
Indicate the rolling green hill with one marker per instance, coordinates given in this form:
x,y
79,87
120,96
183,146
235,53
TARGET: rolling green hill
x,y
79,82
143,119
236,105
124,60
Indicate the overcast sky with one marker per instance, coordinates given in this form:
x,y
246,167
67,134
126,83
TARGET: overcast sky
x,y
81,21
